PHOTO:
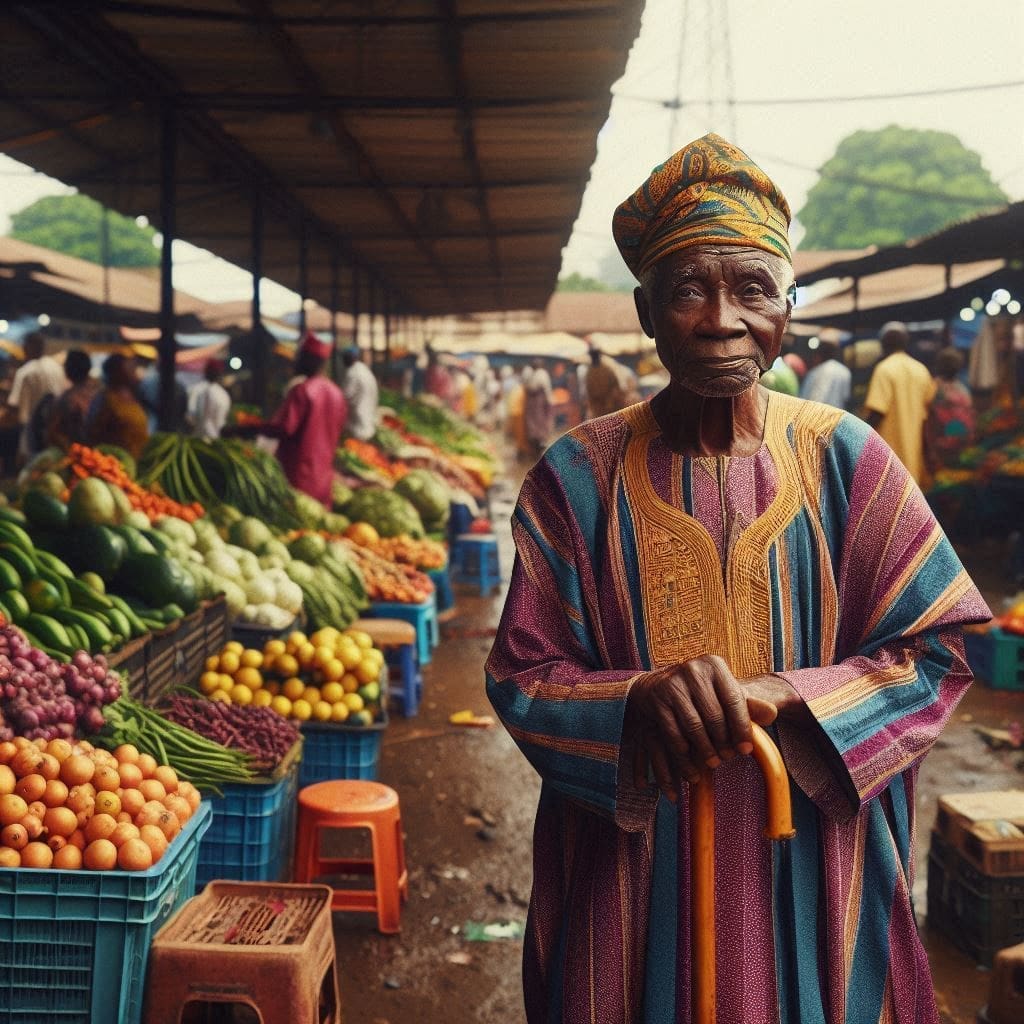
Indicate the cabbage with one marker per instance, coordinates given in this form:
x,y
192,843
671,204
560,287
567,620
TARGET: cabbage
x,y
288,595
430,496
249,533
260,590
177,529
387,512
220,563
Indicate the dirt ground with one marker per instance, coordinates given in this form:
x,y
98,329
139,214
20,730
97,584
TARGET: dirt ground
x,y
468,798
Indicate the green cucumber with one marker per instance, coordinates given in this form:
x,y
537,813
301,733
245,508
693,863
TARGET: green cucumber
x,y
50,631
58,582
18,557
10,578
119,604
46,560
17,605
97,631
15,534
85,598
121,624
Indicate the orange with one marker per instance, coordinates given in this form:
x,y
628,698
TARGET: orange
x,y
209,681
241,694
108,803
36,855
331,692
99,826
49,767
229,662
293,688
249,677
311,694
56,843
135,855
127,753
9,858
125,830
56,793
282,705
167,777
61,749
333,670
100,855
7,751
262,698
212,664
106,779
80,799
152,789
33,825
155,839
132,801
191,794
69,858
251,659
339,711
286,665
14,836
322,711
150,813
301,709
147,765
26,761
60,821
12,809
77,770
131,776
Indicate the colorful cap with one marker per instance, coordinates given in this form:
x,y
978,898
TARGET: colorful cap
x,y
709,193
314,346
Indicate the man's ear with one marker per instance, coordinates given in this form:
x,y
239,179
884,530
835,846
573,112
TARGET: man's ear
x,y
643,310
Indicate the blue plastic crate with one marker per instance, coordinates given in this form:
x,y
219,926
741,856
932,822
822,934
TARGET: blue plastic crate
x,y
253,830
74,944
422,616
996,657
339,751
443,593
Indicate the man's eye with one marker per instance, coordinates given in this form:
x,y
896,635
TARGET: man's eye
x,y
753,290
686,291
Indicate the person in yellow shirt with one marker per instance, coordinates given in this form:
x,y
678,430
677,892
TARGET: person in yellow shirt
x,y
900,391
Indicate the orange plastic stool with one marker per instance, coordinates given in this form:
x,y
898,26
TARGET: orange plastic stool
x,y
264,945
347,804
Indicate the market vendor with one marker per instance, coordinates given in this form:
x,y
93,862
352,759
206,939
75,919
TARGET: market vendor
x,y
719,556
308,424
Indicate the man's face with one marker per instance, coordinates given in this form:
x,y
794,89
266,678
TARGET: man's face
x,y
718,315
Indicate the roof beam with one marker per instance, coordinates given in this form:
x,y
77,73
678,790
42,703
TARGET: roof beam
x,y
306,79
109,55
200,14
457,70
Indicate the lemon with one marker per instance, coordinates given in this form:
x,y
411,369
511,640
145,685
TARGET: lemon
x,y
212,664
286,665
349,655
251,659
305,654
249,677
339,711
262,698
367,671
293,688
360,638
221,695
296,639
209,681
311,693
353,701
323,655
332,692
301,710
324,637
272,648
234,646
226,681
349,683
241,694
322,711
333,670
282,705
229,662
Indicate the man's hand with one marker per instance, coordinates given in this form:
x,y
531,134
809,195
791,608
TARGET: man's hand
x,y
688,717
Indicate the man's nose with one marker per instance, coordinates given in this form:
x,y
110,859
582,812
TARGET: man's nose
x,y
721,316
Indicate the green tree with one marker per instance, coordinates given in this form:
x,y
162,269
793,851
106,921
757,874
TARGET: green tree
x,y
74,225
576,282
885,187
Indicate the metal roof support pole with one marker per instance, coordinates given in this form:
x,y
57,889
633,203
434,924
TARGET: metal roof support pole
x,y
335,292
387,329
303,278
168,202
371,309
355,305
260,354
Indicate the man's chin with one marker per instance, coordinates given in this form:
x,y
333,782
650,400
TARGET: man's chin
x,y
731,386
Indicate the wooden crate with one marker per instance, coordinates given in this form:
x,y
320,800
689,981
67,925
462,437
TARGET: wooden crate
x,y
987,828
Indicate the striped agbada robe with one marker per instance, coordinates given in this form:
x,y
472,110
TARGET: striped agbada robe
x,y
817,559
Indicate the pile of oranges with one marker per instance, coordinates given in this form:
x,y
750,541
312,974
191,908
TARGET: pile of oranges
x,y
71,805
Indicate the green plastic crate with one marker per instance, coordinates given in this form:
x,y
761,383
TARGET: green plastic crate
x,y
997,658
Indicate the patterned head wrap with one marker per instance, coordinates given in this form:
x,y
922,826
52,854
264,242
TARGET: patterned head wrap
x,y
709,193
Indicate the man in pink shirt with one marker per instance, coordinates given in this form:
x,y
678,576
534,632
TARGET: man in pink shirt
x,y
309,423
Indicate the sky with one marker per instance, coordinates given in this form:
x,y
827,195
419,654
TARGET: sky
x,y
786,49
799,49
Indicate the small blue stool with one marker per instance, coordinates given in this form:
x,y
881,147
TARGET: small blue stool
x,y
397,639
475,561
442,588
423,618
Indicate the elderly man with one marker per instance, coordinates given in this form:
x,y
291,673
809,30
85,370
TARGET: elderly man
x,y
719,556
899,394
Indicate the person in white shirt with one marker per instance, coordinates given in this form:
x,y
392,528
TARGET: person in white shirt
x,y
209,403
362,394
40,376
829,379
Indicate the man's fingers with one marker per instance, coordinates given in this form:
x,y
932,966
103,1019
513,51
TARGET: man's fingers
x,y
734,704
700,751
763,712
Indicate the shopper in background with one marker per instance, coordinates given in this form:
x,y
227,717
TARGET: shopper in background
x,y
67,422
900,391
308,424
950,424
437,380
148,391
40,376
604,390
829,378
116,416
209,402
538,411
361,393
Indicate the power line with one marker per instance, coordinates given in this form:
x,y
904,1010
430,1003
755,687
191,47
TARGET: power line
x,y
671,104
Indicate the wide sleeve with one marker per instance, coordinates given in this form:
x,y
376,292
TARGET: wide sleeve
x,y
880,388
563,709
293,411
900,670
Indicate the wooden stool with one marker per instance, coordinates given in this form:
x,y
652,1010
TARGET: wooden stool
x,y
264,945
348,804
1006,994
398,639
475,560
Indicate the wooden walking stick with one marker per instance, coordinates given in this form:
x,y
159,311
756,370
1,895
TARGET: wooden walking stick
x,y
702,864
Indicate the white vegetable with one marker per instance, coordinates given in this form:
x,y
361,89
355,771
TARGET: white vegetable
x,y
222,564
176,528
260,590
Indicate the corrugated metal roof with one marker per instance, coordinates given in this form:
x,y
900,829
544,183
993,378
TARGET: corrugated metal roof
x,y
443,145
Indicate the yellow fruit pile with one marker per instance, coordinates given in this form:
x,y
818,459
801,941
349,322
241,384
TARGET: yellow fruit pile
x,y
331,676
70,806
